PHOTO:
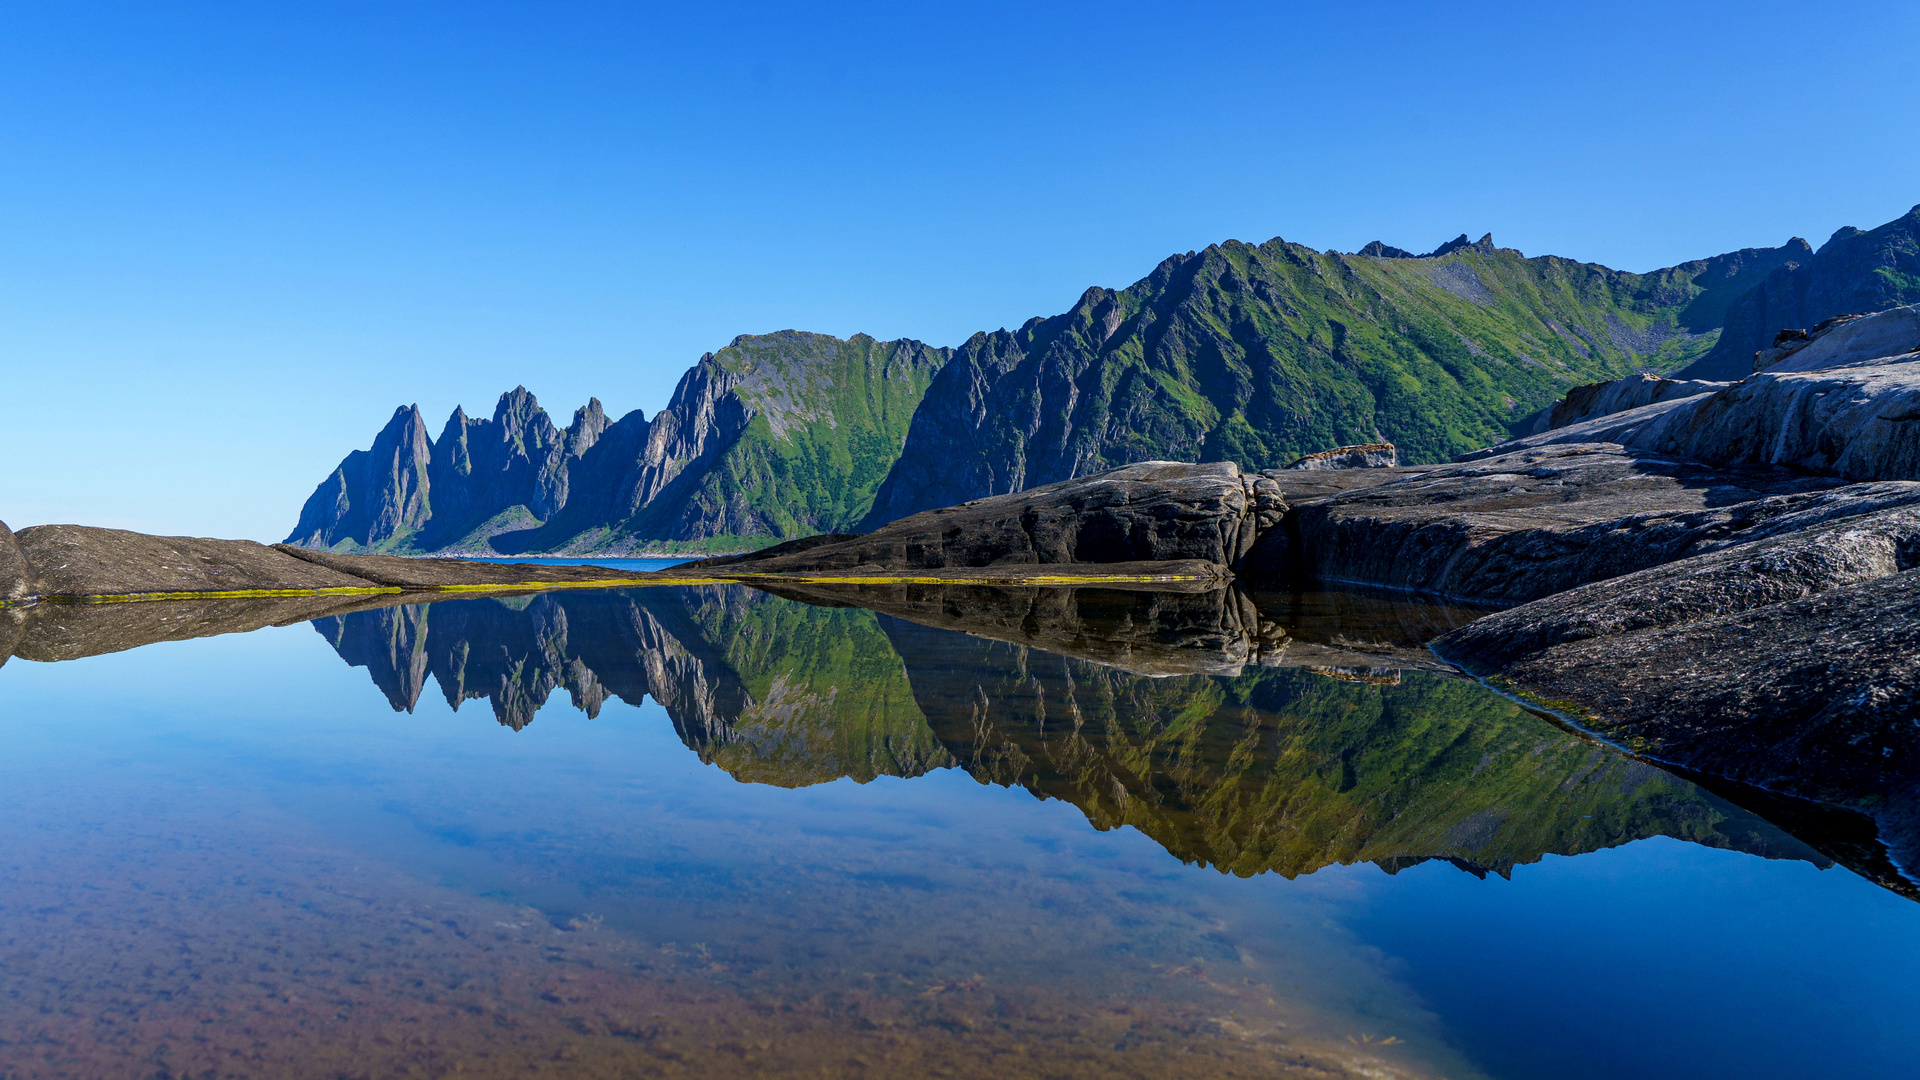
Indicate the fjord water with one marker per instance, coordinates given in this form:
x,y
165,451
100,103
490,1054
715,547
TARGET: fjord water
x,y
767,837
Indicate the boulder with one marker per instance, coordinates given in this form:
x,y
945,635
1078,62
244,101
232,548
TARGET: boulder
x,y
16,577
1606,398
1155,511
1843,341
1380,455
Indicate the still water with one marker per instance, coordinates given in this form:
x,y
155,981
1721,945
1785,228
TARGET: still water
x,y
709,831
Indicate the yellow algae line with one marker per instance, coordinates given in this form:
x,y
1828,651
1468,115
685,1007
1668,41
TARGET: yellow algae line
x,y
983,579
230,594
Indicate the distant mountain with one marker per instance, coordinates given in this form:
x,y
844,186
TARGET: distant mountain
x,y
1262,354
1255,354
1853,272
775,435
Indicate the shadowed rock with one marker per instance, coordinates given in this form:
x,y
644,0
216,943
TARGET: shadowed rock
x,y
1153,512
1524,525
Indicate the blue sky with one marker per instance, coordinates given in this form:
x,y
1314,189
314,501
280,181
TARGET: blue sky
x,y
233,237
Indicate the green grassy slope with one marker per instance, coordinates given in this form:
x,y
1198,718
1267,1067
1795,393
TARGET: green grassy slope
x,y
828,418
1259,354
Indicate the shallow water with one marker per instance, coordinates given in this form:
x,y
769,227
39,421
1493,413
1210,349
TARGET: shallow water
x,y
709,831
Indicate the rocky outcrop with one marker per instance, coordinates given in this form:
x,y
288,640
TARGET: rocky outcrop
x,y
1605,399
1844,341
76,562
1853,271
1522,525
1378,455
1153,512
1853,423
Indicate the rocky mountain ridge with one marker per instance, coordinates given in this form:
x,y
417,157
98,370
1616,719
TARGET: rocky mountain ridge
x,y
1255,354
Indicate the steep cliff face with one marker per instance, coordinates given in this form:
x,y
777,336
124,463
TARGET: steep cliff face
x,y
776,435
1854,271
376,496
1258,354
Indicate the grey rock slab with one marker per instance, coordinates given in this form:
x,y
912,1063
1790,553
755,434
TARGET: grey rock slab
x,y
1523,525
1856,340
1802,553
80,561
1859,422
1605,399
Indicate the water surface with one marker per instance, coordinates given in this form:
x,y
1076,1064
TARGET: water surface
x,y
949,831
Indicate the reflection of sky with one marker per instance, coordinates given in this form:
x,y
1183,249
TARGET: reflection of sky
x,y
1659,958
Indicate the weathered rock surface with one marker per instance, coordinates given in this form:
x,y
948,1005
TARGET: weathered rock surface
x,y
1526,524
1830,543
16,578
1604,399
1155,511
1842,341
1378,455
79,561
1856,423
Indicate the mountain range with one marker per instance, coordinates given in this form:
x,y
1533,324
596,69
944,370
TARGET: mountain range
x,y
1252,353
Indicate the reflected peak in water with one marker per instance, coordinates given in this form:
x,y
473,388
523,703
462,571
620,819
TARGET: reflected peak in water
x,y
1217,723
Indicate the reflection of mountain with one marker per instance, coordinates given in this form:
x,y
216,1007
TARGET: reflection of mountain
x,y
1273,769
772,691
1284,770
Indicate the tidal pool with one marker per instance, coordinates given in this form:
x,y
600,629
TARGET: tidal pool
x,y
709,831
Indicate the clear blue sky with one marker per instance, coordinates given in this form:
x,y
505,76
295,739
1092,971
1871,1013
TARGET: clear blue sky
x,y
234,236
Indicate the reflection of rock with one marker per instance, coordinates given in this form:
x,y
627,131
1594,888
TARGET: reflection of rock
x,y
50,632
1144,632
